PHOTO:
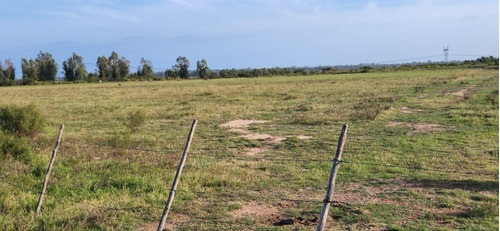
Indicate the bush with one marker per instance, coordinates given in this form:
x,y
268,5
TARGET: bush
x,y
14,147
21,121
135,120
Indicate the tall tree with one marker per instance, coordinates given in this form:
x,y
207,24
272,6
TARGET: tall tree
x,y
9,70
202,69
182,67
115,69
47,67
104,67
30,69
123,67
2,73
74,68
146,68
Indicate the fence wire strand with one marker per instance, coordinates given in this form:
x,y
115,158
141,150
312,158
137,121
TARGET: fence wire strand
x,y
228,155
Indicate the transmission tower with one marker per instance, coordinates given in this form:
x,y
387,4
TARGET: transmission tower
x,y
446,50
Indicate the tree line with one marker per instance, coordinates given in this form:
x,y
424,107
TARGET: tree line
x,y
113,68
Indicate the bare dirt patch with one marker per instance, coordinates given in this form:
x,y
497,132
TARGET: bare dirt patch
x,y
304,137
257,151
273,215
460,93
240,123
256,209
426,128
395,123
173,224
240,126
419,127
266,137
407,110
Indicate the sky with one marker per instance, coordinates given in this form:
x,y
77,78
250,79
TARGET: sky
x,y
249,33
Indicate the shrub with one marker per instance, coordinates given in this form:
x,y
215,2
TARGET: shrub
x,y
21,121
14,147
368,110
492,97
135,120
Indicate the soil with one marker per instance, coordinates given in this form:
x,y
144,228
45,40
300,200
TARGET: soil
x,y
395,123
256,209
304,137
460,93
407,110
169,225
240,126
257,151
426,128
240,123
419,127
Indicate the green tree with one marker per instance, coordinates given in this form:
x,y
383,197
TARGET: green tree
x,y
30,69
145,69
47,67
2,73
74,68
7,72
182,67
169,73
123,68
202,69
104,68
115,69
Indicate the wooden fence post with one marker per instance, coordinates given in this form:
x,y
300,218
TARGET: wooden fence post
x,y
47,175
177,176
331,181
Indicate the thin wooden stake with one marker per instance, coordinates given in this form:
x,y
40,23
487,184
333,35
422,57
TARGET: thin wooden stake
x,y
331,181
177,176
47,175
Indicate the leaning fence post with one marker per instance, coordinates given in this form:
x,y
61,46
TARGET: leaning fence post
x,y
331,181
47,175
177,176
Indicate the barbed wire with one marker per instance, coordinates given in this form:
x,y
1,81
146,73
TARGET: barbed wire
x,y
121,147
267,158
418,168
227,155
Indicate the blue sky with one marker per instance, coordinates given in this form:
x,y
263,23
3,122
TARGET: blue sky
x,y
249,33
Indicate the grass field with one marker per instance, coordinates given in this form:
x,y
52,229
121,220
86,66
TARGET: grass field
x,y
421,153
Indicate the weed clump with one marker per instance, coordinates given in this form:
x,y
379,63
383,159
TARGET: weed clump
x,y
290,143
119,138
135,120
418,89
14,147
492,97
368,110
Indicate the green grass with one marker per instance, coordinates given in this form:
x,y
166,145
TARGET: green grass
x,y
404,177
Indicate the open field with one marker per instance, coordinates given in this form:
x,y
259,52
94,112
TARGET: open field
x,y
421,153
